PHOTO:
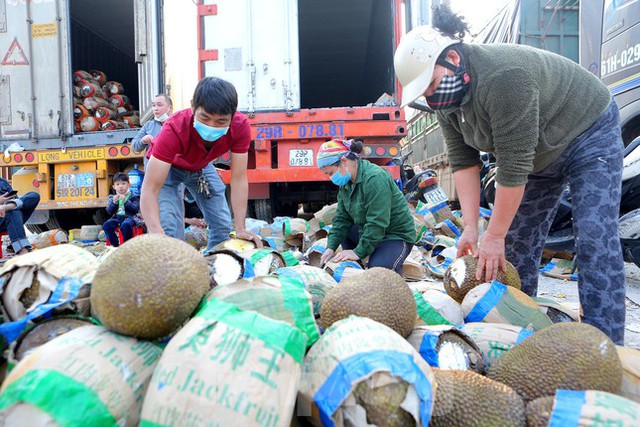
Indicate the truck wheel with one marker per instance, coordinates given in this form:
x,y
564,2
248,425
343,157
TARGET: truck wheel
x,y
311,208
53,223
262,209
36,228
100,216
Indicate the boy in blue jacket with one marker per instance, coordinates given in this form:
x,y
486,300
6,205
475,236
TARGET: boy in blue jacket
x,y
123,207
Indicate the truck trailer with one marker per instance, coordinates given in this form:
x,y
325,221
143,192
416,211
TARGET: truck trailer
x,y
305,72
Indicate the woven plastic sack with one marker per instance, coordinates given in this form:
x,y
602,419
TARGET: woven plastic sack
x,y
294,231
264,261
279,298
437,308
38,282
227,367
354,356
340,270
592,408
630,358
49,238
494,339
498,303
315,280
88,377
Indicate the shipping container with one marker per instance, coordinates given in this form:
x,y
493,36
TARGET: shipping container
x,y
42,43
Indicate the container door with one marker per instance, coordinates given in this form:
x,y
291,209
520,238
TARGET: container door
x,y
254,45
35,81
148,45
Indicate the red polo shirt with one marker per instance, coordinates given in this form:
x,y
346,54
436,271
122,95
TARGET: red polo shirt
x,y
180,144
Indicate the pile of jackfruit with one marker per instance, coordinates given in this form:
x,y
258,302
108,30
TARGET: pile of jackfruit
x,y
100,104
158,334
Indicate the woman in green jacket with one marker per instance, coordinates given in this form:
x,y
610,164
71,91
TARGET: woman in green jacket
x,y
549,123
372,219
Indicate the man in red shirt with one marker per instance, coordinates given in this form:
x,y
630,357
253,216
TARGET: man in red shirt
x,y
182,155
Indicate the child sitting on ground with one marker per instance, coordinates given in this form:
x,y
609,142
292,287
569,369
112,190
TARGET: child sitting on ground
x,y
123,207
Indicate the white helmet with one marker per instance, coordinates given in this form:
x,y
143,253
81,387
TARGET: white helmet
x,y
415,59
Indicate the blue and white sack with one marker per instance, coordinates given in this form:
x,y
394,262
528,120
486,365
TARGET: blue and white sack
x,y
569,408
358,357
447,347
43,281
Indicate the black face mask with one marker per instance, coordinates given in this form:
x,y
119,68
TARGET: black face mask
x,y
451,89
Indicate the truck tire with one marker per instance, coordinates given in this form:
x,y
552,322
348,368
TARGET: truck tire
x,y
100,216
262,209
36,228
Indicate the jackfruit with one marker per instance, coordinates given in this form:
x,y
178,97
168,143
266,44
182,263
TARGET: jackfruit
x,y
379,294
539,411
149,287
383,404
44,332
571,356
237,245
465,398
460,277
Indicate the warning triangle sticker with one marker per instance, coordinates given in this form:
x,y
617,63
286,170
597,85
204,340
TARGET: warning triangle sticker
x,y
15,55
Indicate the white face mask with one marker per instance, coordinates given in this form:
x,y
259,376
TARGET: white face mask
x,y
162,118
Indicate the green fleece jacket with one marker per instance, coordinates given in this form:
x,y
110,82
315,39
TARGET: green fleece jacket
x,y
525,105
375,203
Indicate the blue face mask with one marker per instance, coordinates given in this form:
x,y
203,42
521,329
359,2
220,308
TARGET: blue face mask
x,y
339,179
209,133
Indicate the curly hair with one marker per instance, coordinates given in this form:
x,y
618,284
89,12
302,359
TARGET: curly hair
x,y
448,22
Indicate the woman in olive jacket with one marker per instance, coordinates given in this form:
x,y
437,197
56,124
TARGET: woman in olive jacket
x,y
549,123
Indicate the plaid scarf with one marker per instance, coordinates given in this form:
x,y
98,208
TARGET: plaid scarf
x,y
452,88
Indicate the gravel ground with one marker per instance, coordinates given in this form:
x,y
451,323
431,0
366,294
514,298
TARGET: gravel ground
x,y
566,292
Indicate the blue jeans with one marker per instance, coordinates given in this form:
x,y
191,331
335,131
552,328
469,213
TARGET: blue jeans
x,y
126,227
13,221
388,254
215,208
592,166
